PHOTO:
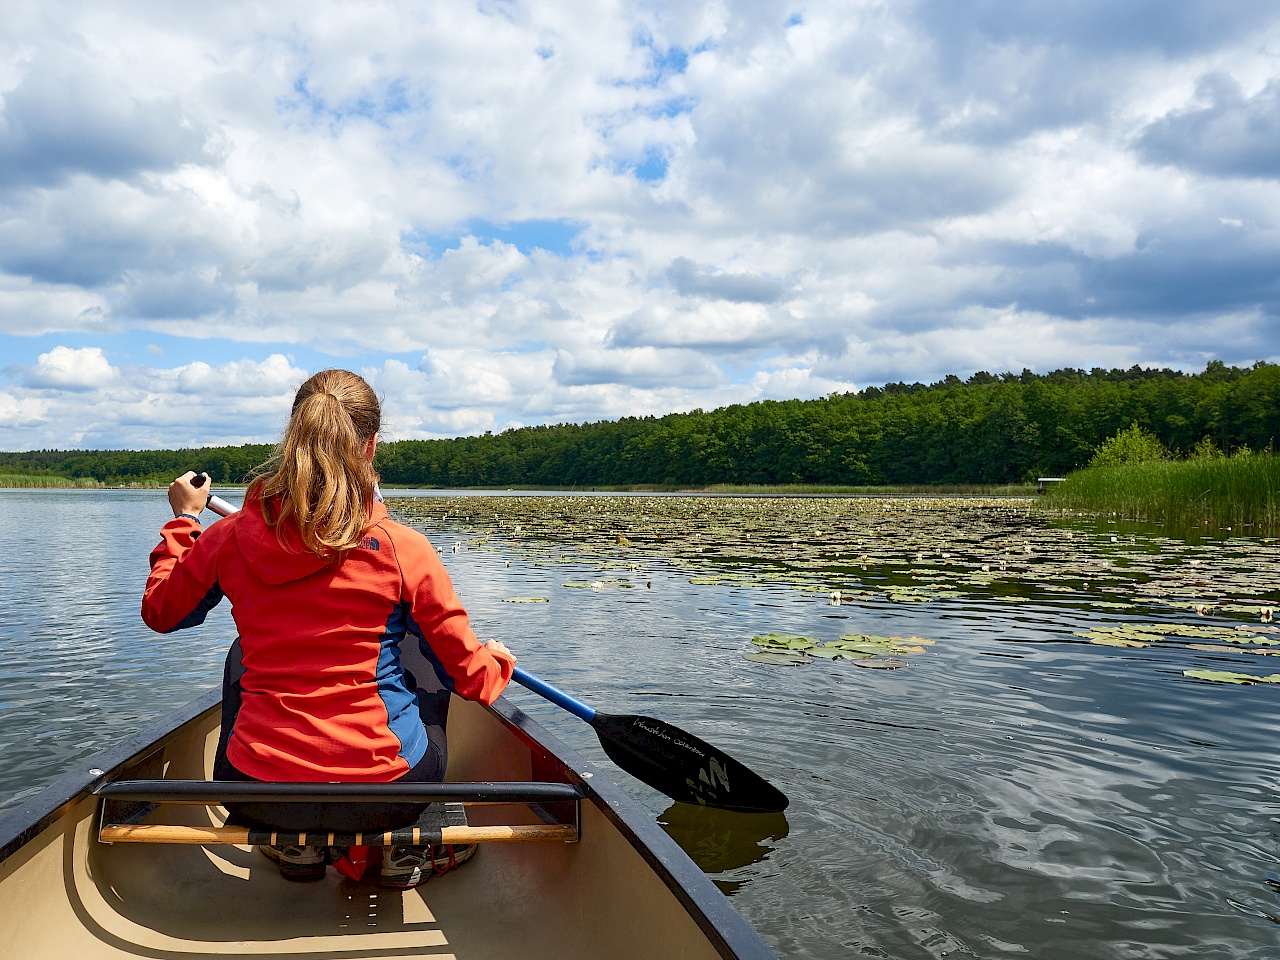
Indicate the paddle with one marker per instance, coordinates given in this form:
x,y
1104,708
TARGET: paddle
x,y
672,761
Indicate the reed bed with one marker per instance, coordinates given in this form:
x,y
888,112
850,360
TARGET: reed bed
x,y
23,481
906,490
1240,493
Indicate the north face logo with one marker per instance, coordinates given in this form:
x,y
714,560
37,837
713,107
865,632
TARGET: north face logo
x,y
370,543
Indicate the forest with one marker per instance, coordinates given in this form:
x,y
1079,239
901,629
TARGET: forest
x,y
988,429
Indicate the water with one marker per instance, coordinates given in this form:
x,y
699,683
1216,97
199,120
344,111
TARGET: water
x,y
1014,793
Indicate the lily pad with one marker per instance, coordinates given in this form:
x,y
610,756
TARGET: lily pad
x,y
781,658
784,641
526,600
880,663
850,639
1113,639
1225,676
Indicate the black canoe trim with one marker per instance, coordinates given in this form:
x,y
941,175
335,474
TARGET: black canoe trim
x,y
214,792
733,937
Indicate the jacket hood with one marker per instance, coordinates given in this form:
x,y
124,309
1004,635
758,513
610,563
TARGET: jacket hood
x,y
272,561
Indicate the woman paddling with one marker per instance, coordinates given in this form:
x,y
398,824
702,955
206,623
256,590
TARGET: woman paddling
x,y
324,588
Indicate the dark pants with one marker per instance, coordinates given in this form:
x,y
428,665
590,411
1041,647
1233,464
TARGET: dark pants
x,y
433,705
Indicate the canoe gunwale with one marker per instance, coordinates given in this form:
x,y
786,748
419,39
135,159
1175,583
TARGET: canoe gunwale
x,y
727,930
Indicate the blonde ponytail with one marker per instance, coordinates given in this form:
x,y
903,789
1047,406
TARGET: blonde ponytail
x,y
319,476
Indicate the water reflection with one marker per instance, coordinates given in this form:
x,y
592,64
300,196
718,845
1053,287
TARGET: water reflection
x,y
719,841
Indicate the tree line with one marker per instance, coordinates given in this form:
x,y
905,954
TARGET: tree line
x,y
988,429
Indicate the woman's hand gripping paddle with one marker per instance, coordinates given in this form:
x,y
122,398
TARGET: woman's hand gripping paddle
x,y
216,504
667,758
672,761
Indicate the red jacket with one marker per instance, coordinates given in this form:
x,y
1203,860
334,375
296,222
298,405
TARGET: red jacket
x,y
324,695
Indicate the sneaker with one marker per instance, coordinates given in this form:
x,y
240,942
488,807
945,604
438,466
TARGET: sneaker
x,y
405,867
298,863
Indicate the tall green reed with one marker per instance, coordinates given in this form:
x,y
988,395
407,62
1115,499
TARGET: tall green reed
x,y
1240,492
19,480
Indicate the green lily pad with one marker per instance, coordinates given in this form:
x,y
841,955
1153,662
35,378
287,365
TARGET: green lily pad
x,y
1225,676
785,641
526,600
1112,639
863,639
781,658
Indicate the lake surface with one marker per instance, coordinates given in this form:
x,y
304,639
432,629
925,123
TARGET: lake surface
x,y
1016,790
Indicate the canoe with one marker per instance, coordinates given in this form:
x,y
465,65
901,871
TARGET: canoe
x,y
599,878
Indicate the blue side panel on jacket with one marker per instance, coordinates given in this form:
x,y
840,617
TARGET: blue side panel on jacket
x,y
401,704
196,616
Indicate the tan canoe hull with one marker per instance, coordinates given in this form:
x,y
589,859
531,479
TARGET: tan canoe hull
x,y
623,891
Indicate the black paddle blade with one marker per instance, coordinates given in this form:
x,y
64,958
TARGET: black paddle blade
x,y
684,767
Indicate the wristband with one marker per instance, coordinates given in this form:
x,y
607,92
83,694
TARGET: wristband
x,y
188,516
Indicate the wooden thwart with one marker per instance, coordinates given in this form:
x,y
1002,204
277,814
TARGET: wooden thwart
x,y
166,833
443,820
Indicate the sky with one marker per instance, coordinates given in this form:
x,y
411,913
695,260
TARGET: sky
x,y
505,213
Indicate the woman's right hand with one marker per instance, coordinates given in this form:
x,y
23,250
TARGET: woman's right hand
x,y
185,498
497,646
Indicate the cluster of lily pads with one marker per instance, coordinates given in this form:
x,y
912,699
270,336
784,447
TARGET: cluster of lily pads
x,y
1144,634
865,650
1258,640
877,550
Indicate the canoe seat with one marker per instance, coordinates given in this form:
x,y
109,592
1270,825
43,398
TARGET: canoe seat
x,y
126,802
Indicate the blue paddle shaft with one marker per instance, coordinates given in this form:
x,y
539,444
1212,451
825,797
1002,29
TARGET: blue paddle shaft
x,y
558,697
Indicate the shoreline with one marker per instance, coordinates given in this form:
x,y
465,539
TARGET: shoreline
x,y
720,489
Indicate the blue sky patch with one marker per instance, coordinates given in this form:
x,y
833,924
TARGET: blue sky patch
x,y
674,107
653,167
553,236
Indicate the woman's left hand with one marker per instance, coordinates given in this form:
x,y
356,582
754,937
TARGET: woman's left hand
x,y
497,646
